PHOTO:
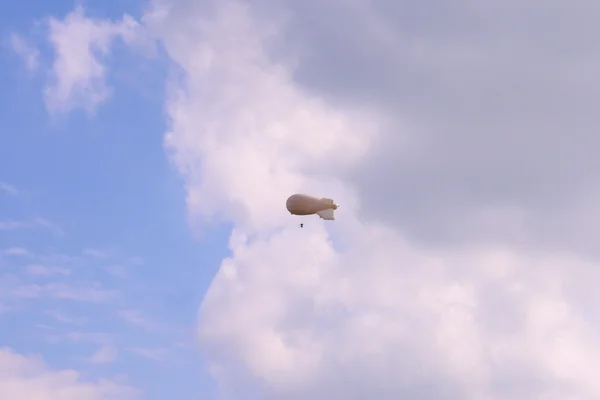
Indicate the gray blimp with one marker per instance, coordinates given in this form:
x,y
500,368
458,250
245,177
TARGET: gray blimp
x,y
302,204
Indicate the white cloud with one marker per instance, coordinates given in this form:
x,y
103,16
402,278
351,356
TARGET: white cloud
x,y
78,71
349,309
8,189
252,112
28,377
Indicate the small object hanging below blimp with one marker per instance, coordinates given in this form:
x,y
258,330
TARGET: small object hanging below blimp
x,y
302,204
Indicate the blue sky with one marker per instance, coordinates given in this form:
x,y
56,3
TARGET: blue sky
x,y
101,208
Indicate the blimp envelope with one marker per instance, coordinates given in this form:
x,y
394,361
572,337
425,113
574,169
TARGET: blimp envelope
x,y
302,204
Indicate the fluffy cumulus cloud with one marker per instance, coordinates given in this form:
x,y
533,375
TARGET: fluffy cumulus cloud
x,y
458,139
449,139
28,377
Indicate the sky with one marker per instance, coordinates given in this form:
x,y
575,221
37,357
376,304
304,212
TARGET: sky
x,y
148,149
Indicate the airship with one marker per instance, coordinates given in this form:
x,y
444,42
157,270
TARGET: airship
x,y
302,204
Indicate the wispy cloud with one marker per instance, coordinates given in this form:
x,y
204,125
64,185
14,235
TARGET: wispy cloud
x,y
29,53
45,327
40,270
16,251
134,317
4,308
136,261
104,355
9,225
8,189
61,259
152,353
99,338
41,222
84,293
95,253
65,319
118,271
122,270
89,337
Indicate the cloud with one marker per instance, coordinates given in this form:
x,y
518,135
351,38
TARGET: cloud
x,y
134,317
135,261
49,225
104,355
484,103
94,253
370,306
118,271
304,132
16,251
89,337
91,293
123,269
6,308
28,377
78,72
10,225
461,149
59,316
41,270
63,259
8,189
25,50
150,353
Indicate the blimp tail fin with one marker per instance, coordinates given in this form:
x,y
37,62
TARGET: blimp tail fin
x,y
326,214
330,202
